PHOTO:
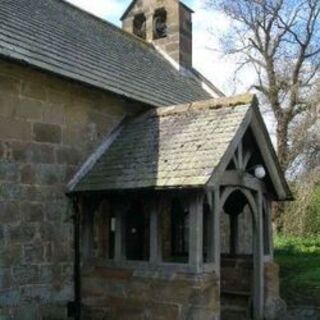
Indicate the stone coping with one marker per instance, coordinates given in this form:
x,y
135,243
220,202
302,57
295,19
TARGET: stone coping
x,y
148,267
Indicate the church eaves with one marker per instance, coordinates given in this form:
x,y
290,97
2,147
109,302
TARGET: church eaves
x,y
57,37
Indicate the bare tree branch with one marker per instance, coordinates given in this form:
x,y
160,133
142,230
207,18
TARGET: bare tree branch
x,y
281,41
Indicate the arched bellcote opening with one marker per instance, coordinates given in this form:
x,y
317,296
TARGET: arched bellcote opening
x,y
139,26
160,24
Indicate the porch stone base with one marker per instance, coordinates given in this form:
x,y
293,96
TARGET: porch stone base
x,y
275,307
120,294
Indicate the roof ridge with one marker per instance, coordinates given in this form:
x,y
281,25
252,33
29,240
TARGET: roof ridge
x,y
207,82
215,103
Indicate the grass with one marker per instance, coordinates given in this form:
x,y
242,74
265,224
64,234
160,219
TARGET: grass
x,y
299,260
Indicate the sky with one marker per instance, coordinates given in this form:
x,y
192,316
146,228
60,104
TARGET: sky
x,y
207,57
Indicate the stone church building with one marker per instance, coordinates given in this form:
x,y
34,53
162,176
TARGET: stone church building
x,y
130,186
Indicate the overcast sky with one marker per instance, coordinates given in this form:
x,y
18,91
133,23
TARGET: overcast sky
x,y
206,56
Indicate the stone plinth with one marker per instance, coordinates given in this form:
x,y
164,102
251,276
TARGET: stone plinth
x,y
122,294
275,307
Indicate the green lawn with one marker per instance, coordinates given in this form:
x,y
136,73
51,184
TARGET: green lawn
x,y
299,260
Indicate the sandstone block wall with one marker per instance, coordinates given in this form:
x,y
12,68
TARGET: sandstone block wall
x,y
237,274
275,307
245,236
48,126
121,294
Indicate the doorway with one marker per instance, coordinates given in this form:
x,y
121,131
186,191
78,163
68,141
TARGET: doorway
x,y
137,232
237,256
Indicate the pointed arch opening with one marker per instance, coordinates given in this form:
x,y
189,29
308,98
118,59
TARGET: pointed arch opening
x,y
237,225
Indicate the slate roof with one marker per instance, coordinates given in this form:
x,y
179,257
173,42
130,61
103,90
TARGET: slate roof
x,y
169,147
58,37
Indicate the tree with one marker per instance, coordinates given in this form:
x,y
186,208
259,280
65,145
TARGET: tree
x,y
306,139
302,218
280,40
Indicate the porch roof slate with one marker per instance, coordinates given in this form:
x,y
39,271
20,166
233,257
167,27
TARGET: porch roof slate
x,y
169,147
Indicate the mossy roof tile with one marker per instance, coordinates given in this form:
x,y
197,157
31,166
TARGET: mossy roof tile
x,y
169,147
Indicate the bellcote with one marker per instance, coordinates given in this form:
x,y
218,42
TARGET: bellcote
x,y
165,23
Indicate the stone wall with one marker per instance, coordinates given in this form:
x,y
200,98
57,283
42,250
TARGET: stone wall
x,y
245,227
224,233
245,233
275,307
117,294
185,22
48,126
236,274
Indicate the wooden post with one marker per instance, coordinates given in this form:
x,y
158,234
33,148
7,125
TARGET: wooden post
x,y
78,208
240,156
119,234
269,229
196,233
258,256
216,228
155,241
210,234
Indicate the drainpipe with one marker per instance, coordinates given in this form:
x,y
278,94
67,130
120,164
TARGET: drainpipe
x,y
74,307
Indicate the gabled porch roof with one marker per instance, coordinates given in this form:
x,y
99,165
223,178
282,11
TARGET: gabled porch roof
x,y
183,146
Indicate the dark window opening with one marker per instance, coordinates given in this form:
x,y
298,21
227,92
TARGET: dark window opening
x,y
139,26
112,230
176,228
137,233
160,24
104,231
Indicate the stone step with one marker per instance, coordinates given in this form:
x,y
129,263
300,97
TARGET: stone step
x,y
230,314
235,299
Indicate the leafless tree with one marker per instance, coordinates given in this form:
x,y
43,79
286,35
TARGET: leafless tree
x,y
305,138
302,218
280,40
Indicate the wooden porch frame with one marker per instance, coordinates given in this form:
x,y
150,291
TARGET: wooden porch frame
x,y
255,200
